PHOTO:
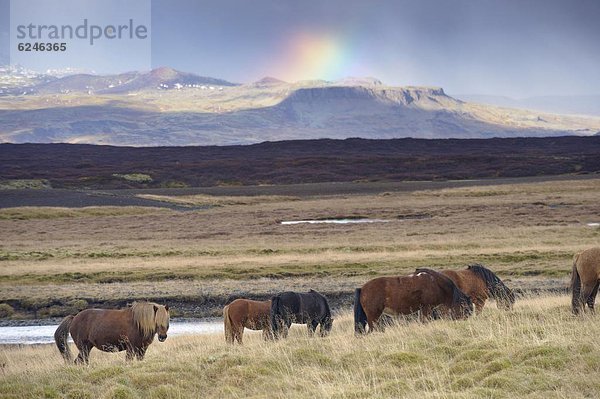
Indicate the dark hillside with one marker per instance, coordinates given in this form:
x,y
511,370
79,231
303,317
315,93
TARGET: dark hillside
x,y
302,161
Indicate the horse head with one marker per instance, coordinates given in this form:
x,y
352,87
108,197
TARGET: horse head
x,y
326,326
505,299
161,317
462,305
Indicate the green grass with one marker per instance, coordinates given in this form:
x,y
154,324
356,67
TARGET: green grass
x,y
17,184
135,177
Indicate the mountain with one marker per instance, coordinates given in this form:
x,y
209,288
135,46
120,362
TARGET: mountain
x,y
159,78
268,81
576,105
17,80
83,83
168,107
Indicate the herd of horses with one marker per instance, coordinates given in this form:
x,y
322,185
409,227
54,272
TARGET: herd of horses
x,y
427,293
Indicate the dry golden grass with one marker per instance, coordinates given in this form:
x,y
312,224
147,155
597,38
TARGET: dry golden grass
x,y
213,200
538,350
49,212
518,230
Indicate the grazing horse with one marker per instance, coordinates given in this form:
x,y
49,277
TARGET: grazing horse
x,y
113,330
309,308
421,291
247,313
585,279
480,283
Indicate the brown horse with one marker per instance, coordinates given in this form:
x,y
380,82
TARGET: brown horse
x,y
131,329
421,292
480,283
585,279
247,313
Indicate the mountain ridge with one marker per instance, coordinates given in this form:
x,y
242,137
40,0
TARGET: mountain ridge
x,y
588,104
168,107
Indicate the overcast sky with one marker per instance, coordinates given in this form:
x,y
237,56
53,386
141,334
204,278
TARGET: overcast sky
x,y
516,48
507,47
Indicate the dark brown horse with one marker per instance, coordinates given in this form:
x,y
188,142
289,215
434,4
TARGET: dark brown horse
x,y
131,329
246,313
585,279
480,283
421,291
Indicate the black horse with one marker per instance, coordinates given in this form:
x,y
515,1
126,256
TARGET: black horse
x,y
309,308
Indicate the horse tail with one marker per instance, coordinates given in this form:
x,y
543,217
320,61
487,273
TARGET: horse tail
x,y
575,287
275,316
360,317
227,325
60,337
496,287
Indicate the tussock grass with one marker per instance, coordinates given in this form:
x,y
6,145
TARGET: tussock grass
x,y
103,267
538,350
574,187
48,212
525,231
213,200
134,177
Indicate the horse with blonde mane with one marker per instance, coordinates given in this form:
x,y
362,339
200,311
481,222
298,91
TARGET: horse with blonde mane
x,y
585,279
246,313
113,330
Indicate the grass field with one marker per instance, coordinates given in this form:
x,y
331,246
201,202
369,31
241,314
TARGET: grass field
x,y
538,350
55,261
51,258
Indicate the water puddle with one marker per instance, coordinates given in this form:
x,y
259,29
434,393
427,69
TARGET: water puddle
x,y
27,335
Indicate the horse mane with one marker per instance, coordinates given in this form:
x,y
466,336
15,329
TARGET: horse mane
x,y
496,288
146,318
457,295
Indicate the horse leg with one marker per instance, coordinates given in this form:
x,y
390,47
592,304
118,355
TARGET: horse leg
x,y
130,352
312,327
425,314
592,298
267,334
140,353
373,320
277,325
84,353
322,331
381,323
239,333
479,304
286,328
586,294
229,334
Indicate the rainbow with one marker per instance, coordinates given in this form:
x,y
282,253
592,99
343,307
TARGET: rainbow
x,y
308,56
